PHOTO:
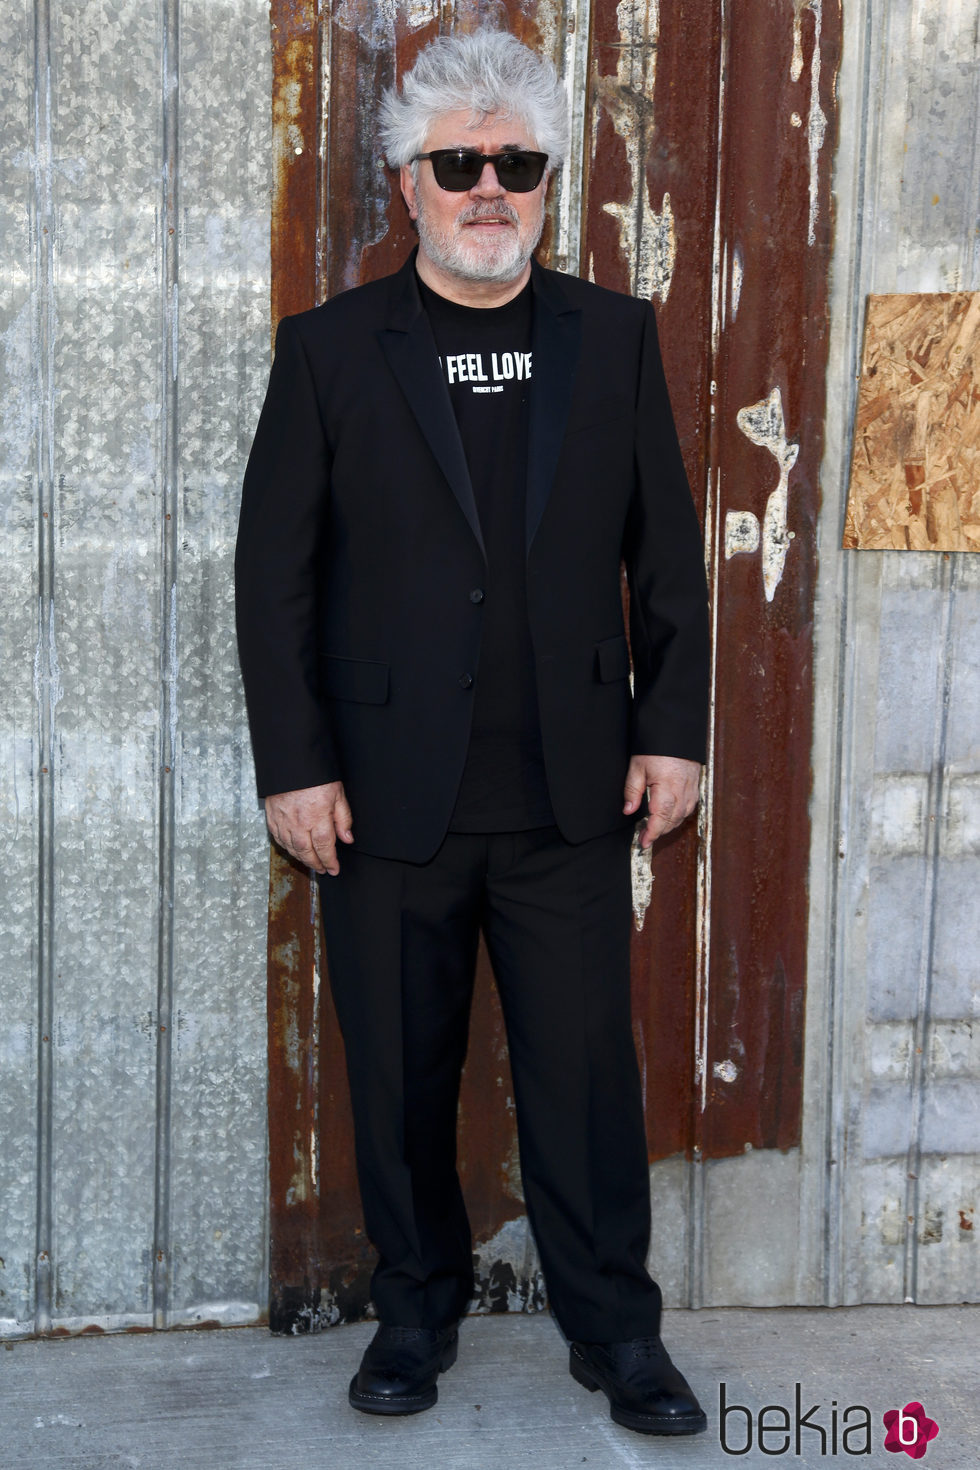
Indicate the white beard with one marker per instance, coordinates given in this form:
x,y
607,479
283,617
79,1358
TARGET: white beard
x,y
464,254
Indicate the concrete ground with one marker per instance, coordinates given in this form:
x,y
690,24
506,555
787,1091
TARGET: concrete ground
x,y
241,1398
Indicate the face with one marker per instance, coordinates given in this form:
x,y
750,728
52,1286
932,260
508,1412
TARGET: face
x,y
486,233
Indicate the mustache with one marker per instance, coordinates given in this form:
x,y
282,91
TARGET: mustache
x,y
489,210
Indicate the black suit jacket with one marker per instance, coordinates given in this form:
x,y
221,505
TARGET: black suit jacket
x,y
360,549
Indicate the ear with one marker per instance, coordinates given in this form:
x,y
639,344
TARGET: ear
x,y
407,184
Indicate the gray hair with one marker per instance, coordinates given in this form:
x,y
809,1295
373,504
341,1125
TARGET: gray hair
x,y
485,72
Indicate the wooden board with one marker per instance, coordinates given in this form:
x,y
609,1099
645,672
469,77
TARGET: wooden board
x,y
915,472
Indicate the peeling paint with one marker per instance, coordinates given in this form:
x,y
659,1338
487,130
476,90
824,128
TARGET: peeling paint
x,y
741,532
508,1272
511,1166
374,20
650,245
816,127
564,33
763,424
738,271
641,872
725,1071
647,238
287,107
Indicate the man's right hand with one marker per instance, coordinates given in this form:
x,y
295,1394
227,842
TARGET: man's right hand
x,y
307,824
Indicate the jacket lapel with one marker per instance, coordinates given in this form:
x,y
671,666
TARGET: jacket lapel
x,y
556,340
410,349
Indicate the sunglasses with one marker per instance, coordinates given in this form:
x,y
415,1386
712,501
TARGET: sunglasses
x,y
458,169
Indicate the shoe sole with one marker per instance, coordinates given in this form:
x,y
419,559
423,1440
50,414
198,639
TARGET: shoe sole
x,y
633,1418
416,1403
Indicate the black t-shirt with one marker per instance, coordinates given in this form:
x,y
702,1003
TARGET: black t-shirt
x,y
485,353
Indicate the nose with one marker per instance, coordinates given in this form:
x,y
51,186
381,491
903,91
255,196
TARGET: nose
x,y
488,186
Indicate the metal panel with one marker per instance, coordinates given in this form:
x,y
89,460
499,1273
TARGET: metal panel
x,y
772,252
750,1254
895,925
701,209
218,1151
649,230
295,1146
722,212
105,458
19,774
130,916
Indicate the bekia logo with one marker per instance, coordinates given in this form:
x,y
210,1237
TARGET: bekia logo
x,y
778,1430
909,1429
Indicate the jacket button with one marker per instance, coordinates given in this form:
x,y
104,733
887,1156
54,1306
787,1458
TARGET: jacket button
x,y
477,595
466,681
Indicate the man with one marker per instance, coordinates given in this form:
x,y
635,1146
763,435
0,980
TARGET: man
x,y
450,467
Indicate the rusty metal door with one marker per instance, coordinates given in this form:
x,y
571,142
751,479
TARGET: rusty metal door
x,y
699,178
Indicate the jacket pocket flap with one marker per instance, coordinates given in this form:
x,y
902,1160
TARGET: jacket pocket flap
x,y
613,659
359,679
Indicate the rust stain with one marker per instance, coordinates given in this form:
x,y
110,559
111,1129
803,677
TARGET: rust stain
x,y
648,238
292,956
675,152
773,216
296,164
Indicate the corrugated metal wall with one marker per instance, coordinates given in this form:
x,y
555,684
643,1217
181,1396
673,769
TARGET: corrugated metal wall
x,y
134,149
895,874
134,289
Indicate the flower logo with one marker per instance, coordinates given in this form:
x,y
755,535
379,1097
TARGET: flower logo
x,y
909,1429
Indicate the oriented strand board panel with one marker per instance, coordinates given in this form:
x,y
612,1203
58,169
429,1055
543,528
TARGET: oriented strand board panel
x,y
915,474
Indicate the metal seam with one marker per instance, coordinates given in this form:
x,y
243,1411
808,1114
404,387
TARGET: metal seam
x,y
162,1251
697,1191
46,673
836,1132
576,49
323,32
923,1011
970,272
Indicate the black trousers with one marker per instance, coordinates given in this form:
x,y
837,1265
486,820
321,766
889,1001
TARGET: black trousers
x,y
401,947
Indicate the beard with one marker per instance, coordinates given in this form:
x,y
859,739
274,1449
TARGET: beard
x,y
464,254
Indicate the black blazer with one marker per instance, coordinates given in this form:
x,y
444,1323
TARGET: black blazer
x,y
359,547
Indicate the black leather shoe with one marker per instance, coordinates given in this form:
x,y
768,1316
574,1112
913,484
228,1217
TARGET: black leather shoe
x,y
645,1391
399,1369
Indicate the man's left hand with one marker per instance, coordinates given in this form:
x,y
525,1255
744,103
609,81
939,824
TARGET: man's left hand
x,y
673,786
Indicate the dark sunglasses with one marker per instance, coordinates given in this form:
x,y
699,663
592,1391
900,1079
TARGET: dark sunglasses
x,y
458,169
